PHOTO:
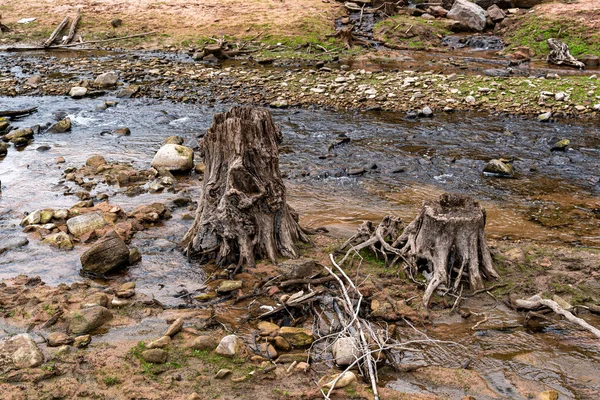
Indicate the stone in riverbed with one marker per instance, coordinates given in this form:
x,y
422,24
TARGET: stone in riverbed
x,y
86,320
267,328
106,80
94,300
495,13
499,168
61,126
297,337
78,92
95,160
345,379
3,149
174,328
174,140
85,223
345,351
155,356
60,240
159,343
298,269
229,346
122,132
56,339
12,243
545,117
560,145
82,341
204,342
26,133
470,15
174,157
19,351
548,395
229,286
107,254
33,218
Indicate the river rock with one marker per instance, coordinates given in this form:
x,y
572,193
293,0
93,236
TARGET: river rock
x,y
95,300
174,328
134,256
229,346
174,157
95,160
267,328
223,373
426,112
267,350
85,223
548,395
155,356
3,149
106,80
495,13
61,126
559,145
204,342
499,168
281,343
107,254
82,341
229,286
468,14
590,61
545,117
159,343
60,240
486,4
56,339
345,351
26,133
297,337
78,92
174,140
87,319
298,269
12,243
19,351
345,379
33,218
122,132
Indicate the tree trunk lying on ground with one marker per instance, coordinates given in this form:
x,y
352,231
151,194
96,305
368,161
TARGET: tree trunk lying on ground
x,y
242,214
560,55
56,32
446,241
17,113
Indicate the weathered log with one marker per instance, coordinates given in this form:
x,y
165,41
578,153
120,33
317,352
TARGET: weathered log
x,y
72,29
560,55
17,113
242,214
56,32
448,238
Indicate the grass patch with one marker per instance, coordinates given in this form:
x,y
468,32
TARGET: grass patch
x,y
411,32
217,361
533,31
176,359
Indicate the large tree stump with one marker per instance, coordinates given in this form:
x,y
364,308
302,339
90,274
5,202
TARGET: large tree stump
x,y
448,238
242,213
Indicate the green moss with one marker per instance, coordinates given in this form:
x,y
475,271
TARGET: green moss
x,y
533,31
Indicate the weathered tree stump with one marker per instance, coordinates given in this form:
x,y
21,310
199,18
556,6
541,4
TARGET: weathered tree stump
x,y
348,37
448,238
560,55
242,214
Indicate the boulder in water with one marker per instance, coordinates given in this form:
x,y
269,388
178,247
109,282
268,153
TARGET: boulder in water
x,y
499,168
106,80
85,223
61,126
107,254
19,351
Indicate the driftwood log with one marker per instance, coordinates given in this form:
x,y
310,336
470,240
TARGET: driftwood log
x,y
446,242
56,32
242,214
17,113
560,55
67,39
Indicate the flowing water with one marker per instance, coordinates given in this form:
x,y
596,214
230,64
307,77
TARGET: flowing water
x,y
390,165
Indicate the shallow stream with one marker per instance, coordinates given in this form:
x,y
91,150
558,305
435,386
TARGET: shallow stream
x,y
390,165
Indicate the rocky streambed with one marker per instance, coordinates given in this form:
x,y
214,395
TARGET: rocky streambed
x,y
165,316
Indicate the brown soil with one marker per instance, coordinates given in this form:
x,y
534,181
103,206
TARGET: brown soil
x,y
584,12
175,20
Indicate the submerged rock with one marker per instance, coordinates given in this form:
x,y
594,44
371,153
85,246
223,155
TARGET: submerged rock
x,y
86,320
499,168
174,157
19,351
3,149
61,126
107,254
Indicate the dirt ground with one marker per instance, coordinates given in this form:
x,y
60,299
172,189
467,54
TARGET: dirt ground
x,y
176,20
586,12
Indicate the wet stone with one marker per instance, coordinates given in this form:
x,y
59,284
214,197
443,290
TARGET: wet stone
x,y
499,168
229,286
223,373
86,320
155,356
159,343
61,126
82,341
19,351
56,339
297,337
174,328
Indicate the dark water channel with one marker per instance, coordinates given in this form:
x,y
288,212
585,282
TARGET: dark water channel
x,y
390,165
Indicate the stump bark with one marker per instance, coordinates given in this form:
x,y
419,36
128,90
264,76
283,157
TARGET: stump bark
x,y
242,214
448,239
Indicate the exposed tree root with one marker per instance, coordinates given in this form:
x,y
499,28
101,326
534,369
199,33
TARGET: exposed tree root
x,y
560,55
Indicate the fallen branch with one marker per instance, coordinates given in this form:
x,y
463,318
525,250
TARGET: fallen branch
x,y
537,301
17,113
56,32
560,55
72,29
